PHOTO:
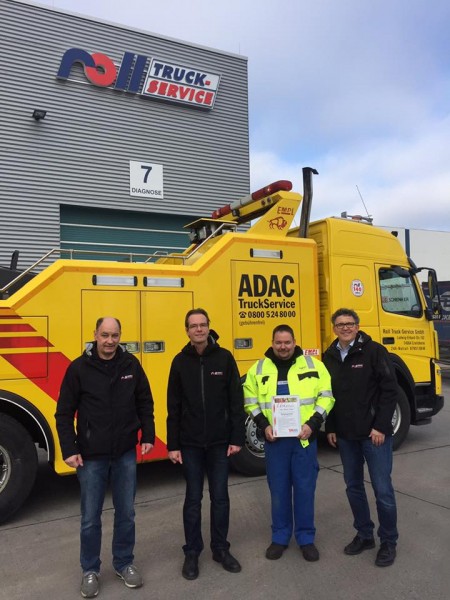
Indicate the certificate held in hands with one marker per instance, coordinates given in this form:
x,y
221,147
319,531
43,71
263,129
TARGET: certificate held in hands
x,y
286,416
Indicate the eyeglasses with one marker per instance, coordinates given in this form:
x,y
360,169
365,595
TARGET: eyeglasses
x,y
344,325
198,326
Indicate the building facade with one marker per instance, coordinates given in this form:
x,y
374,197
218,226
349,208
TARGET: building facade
x,y
112,138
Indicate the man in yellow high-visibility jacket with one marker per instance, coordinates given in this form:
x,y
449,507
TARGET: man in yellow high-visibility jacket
x,y
291,462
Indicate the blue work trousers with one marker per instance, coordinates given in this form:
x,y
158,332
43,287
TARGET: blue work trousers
x,y
94,477
292,475
379,463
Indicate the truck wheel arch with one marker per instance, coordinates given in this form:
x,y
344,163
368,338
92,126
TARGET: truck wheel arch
x,y
251,459
401,419
18,465
22,426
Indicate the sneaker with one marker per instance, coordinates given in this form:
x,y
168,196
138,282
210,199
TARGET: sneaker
x,y
386,555
358,545
275,551
310,552
89,585
131,576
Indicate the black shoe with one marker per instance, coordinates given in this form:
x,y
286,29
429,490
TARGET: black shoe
x,y
190,566
275,551
229,563
310,552
386,555
358,545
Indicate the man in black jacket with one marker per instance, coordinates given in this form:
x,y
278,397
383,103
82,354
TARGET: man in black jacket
x,y
360,424
205,425
108,389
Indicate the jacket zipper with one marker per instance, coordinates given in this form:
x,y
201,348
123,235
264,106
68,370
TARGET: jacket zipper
x,y
202,388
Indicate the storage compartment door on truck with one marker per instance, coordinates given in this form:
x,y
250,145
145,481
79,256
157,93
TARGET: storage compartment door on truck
x,y
24,347
404,328
163,335
267,294
124,305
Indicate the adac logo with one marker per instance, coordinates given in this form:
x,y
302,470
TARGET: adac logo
x,y
163,80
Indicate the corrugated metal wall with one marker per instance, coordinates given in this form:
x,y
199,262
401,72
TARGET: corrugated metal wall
x,y
112,231
79,154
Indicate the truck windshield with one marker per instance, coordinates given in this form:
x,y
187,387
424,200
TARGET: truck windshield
x,y
399,293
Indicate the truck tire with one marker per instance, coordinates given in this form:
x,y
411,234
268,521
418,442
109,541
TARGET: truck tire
x,y
251,459
18,465
401,419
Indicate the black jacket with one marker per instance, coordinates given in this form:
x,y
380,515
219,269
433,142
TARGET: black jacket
x,y
205,402
113,400
364,387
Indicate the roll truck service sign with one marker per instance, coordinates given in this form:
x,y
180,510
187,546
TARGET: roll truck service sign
x,y
166,81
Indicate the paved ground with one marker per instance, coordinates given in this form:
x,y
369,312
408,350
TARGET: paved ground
x,y
39,547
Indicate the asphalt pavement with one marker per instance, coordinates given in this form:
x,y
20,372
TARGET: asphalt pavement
x,y
39,547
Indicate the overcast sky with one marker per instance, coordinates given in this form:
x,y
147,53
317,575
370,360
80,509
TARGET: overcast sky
x,y
358,89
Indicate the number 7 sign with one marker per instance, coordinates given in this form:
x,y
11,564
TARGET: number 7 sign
x,y
146,179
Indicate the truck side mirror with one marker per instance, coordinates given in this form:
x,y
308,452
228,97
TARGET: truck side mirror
x,y
433,291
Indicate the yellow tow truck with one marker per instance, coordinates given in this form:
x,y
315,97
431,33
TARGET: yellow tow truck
x,y
248,280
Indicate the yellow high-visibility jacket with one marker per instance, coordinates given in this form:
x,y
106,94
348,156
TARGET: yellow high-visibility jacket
x,y
307,378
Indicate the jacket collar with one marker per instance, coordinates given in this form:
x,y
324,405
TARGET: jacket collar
x,y
282,363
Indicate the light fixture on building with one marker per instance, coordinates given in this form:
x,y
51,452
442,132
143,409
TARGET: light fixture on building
x,y
38,114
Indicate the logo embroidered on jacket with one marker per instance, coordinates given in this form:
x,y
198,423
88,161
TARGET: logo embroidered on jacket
x,y
216,372
357,366
127,377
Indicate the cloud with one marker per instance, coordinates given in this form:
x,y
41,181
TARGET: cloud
x,y
403,182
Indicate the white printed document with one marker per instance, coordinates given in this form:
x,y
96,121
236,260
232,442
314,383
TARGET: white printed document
x,y
286,416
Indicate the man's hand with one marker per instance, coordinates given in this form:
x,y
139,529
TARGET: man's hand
x,y
233,449
332,439
268,432
305,432
175,456
146,447
377,437
74,461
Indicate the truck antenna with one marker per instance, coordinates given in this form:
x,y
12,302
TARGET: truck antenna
x,y
364,204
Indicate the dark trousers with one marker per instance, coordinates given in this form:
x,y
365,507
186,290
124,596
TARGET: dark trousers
x,y
214,462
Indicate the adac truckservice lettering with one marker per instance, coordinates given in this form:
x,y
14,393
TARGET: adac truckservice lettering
x,y
267,296
166,81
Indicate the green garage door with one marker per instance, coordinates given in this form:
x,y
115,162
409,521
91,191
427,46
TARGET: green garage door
x,y
99,231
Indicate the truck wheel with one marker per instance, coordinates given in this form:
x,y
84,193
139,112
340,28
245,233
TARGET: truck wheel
x,y
250,460
401,419
18,465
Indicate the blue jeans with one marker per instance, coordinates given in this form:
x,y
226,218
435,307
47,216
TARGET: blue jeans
x,y
292,475
214,462
379,462
94,477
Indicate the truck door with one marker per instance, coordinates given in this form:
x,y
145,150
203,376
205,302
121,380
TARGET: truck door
x,y
264,295
163,335
404,329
